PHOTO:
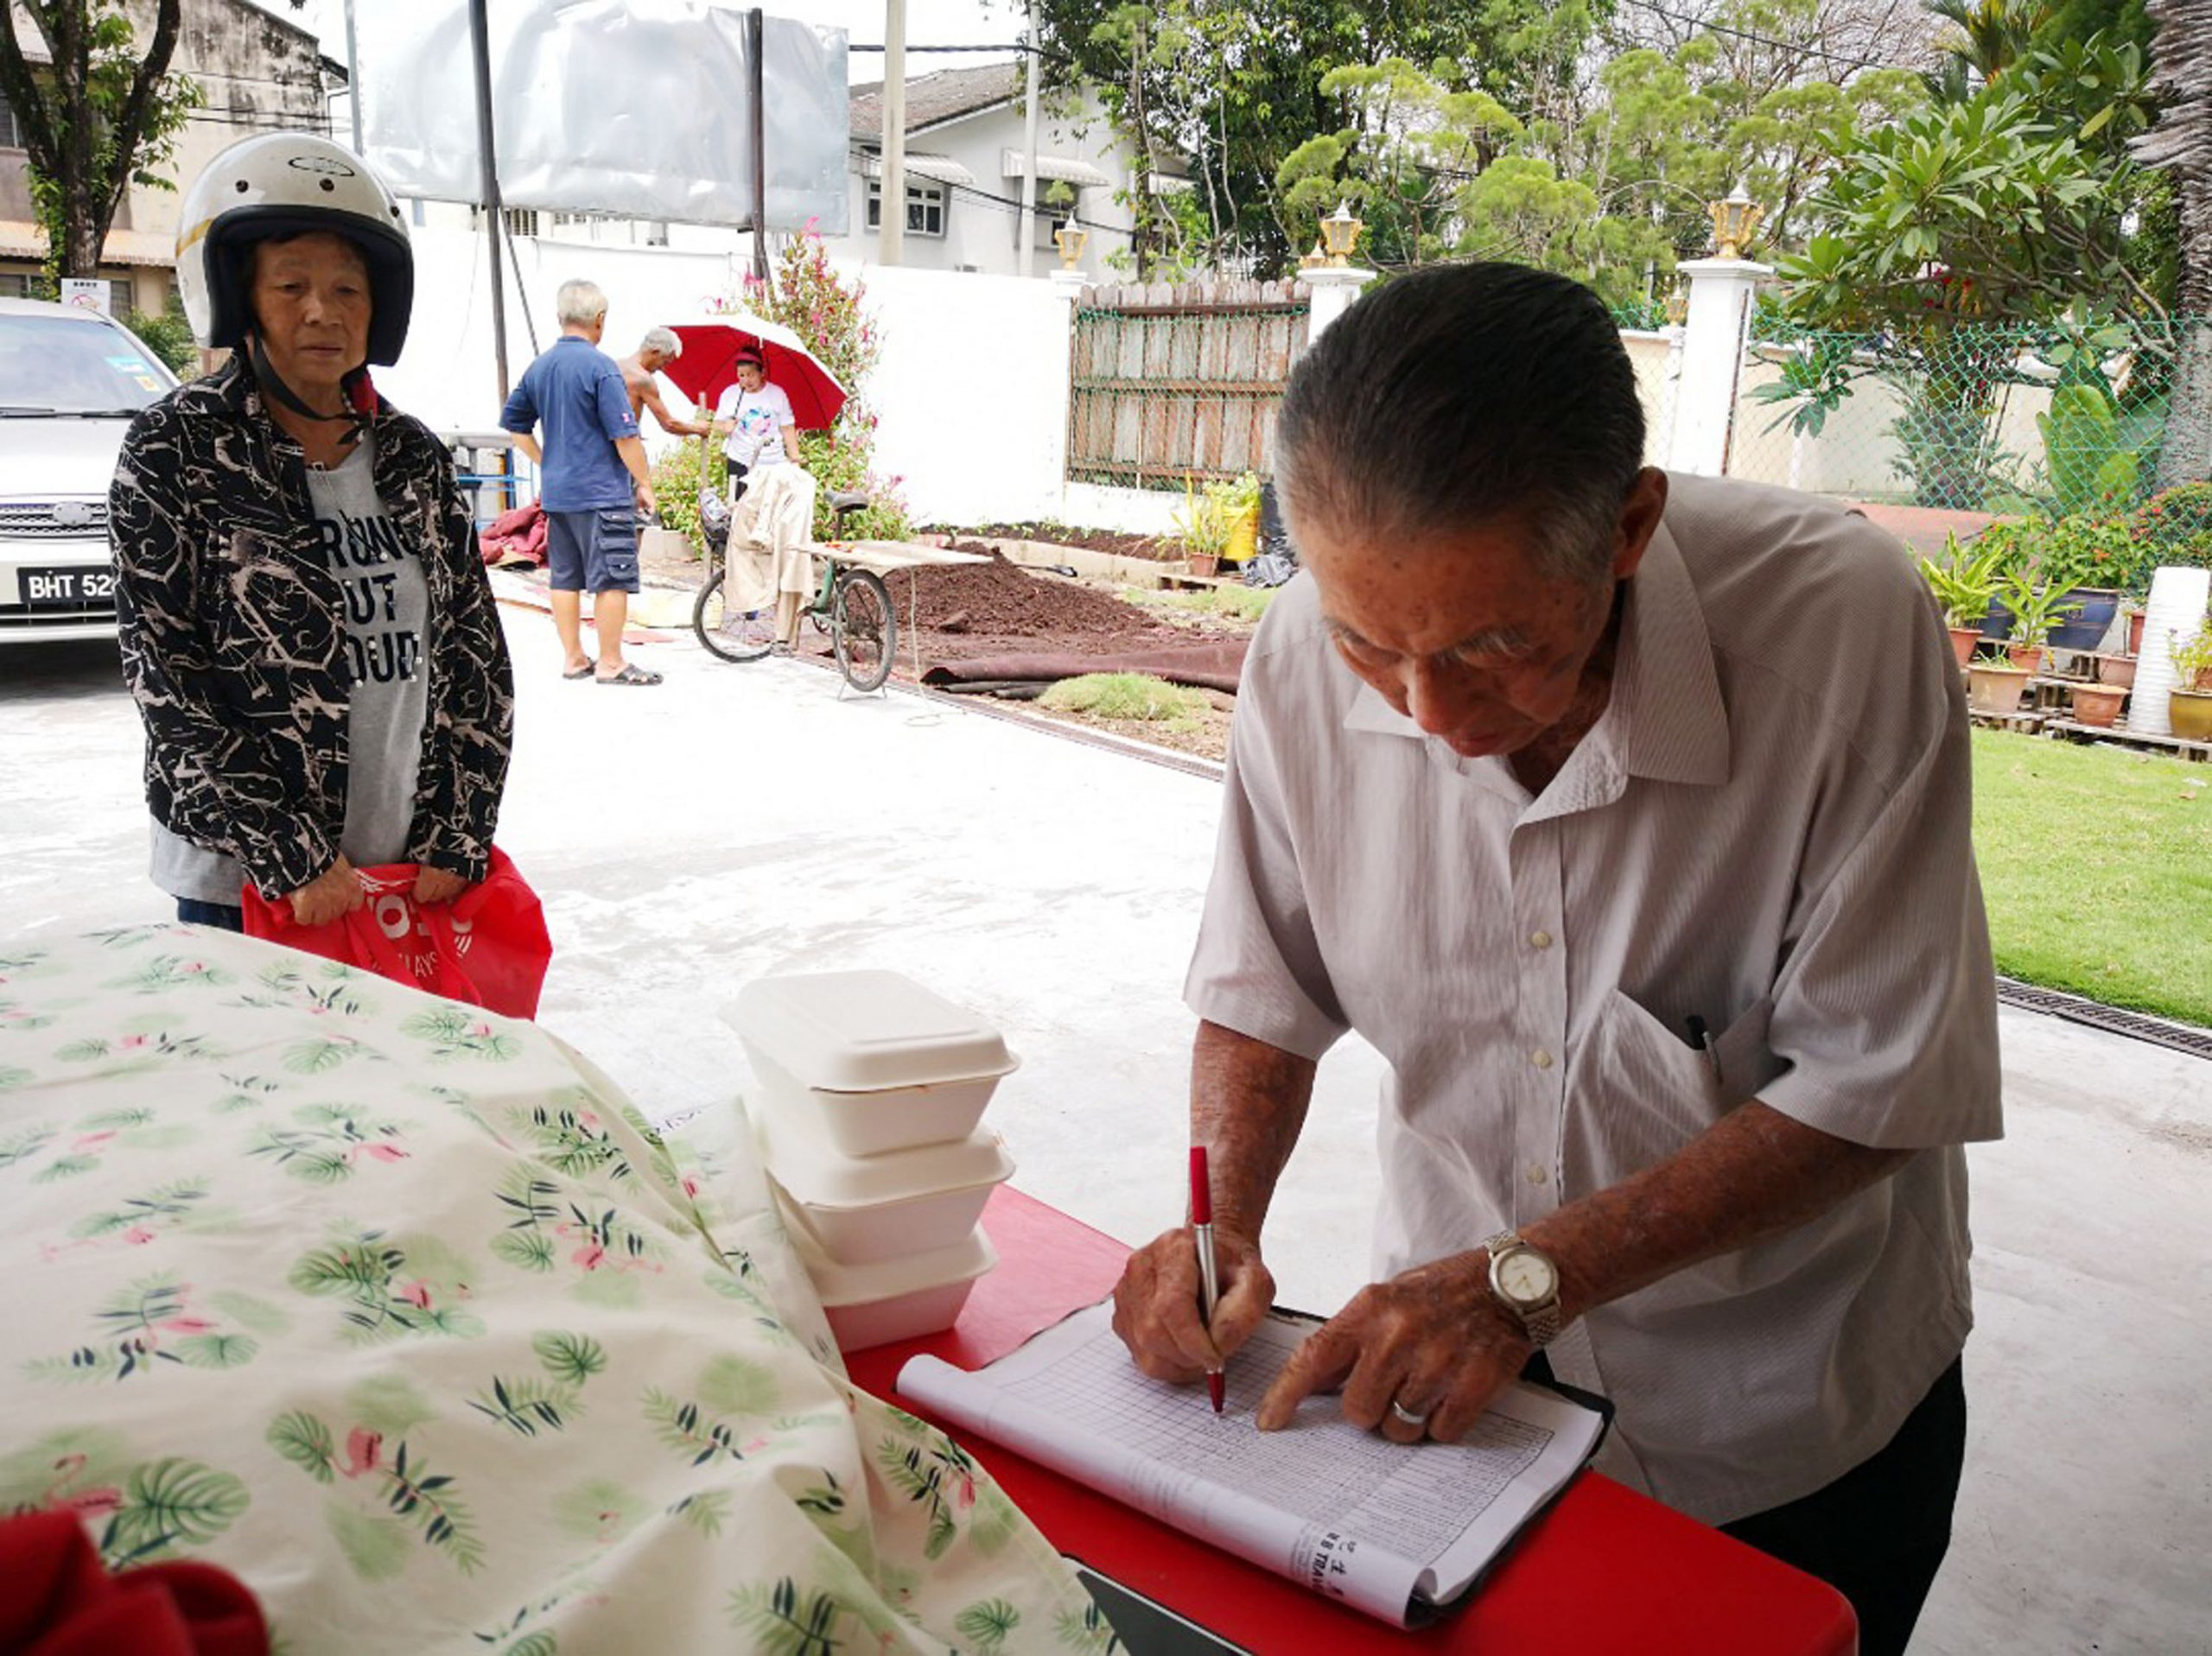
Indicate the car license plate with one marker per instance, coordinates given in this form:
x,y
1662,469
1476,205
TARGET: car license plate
x,y
75,588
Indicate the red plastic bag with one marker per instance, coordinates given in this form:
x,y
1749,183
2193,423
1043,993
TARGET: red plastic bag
x,y
488,947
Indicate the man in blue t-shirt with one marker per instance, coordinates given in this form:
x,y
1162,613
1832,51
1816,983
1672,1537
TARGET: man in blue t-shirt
x,y
595,481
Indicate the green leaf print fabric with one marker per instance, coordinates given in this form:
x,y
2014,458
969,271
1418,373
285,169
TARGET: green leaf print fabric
x,y
401,1312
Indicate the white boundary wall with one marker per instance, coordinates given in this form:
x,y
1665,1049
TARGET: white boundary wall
x,y
970,393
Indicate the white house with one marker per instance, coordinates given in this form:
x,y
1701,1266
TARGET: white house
x,y
966,156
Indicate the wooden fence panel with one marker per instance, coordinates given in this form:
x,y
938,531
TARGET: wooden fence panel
x,y
1180,382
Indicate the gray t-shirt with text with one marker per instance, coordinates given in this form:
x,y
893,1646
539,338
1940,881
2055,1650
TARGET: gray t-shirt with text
x,y
386,600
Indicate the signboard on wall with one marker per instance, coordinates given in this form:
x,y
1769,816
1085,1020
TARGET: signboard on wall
x,y
83,294
637,108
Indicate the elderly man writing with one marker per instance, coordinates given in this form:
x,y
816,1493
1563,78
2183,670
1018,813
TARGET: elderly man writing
x,y
1628,816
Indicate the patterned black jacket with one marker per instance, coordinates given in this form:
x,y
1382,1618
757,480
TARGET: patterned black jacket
x,y
233,638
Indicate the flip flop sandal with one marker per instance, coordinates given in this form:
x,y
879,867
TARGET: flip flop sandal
x,y
585,671
631,674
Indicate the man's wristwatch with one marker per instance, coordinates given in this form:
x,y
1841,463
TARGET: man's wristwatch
x,y
1527,1282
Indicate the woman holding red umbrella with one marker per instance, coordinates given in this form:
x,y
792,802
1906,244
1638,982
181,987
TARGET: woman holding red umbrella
x,y
761,445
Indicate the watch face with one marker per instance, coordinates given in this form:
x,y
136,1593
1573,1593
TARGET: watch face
x,y
1527,1277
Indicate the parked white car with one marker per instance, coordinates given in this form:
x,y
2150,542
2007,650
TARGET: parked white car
x,y
70,380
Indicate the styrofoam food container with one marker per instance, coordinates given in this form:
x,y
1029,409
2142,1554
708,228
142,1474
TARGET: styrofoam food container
x,y
861,1210
884,1062
898,1300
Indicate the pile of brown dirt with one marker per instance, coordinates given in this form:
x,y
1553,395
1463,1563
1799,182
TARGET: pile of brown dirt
x,y
1001,600
1159,548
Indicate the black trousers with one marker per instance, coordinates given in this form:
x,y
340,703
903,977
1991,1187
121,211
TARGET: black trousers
x,y
1879,1533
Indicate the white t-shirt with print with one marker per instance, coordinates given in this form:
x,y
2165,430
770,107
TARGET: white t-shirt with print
x,y
761,417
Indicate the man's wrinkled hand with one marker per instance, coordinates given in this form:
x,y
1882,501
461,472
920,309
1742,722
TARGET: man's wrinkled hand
x,y
646,504
331,895
436,885
1434,1340
1159,1310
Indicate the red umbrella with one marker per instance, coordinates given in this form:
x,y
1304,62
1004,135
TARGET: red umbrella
x,y
708,364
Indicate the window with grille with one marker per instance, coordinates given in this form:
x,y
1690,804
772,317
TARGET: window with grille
x,y
925,206
11,129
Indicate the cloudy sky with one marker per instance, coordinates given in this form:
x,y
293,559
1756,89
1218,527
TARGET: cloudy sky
x,y
935,22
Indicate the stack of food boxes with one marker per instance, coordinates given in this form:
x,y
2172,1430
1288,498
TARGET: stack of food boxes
x,y
871,1091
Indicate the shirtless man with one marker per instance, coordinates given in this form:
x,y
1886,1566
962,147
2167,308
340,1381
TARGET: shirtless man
x,y
655,351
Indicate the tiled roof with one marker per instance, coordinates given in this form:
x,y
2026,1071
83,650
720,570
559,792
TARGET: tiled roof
x,y
933,98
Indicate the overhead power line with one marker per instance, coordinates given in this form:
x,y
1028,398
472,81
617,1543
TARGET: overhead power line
x,y
1799,48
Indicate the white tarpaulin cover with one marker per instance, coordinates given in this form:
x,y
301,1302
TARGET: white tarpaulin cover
x,y
636,107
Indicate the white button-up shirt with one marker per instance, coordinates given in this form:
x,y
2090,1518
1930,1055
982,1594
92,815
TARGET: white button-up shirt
x,y
1768,829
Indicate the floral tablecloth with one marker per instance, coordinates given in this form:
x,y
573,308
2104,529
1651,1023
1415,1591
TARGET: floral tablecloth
x,y
402,1313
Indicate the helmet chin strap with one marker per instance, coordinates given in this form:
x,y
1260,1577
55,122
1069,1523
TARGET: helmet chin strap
x,y
354,419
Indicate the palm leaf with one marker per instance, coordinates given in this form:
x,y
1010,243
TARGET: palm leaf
x,y
526,1406
217,1350
704,1511
168,1505
304,1441
524,1248
573,1358
988,1623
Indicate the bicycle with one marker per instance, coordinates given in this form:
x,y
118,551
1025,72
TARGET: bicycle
x,y
851,606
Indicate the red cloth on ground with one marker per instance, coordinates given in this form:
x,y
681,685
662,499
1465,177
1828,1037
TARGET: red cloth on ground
x,y
56,1599
517,537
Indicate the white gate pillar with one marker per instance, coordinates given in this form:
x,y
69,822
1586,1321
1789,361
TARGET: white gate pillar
x,y
1713,338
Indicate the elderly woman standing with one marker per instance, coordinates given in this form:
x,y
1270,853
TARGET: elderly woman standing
x,y
306,624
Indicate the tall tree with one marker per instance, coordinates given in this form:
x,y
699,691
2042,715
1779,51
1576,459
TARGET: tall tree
x,y
2181,145
100,114
1233,86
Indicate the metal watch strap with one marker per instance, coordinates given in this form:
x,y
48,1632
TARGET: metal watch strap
x,y
1541,1322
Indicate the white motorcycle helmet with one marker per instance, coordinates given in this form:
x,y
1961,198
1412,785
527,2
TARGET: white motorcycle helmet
x,y
288,184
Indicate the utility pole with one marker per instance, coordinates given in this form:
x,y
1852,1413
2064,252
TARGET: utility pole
x,y
756,47
1032,71
479,33
354,76
893,242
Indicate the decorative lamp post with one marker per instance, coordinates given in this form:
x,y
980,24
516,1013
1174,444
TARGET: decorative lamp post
x,y
1733,221
1339,233
1314,260
1071,237
1676,306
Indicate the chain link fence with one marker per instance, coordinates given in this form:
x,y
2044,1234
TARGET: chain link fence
x,y
1178,384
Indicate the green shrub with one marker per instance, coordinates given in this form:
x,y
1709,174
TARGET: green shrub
x,y
168,336
2174,528
675,486
1126,695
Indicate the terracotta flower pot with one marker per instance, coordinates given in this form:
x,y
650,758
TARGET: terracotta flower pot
x,y
2027,657
2097,704
1963,639
2190,712
2119,671
2135,621
1204,563
1994,688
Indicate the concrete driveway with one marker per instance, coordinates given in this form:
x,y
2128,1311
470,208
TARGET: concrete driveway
x,y
740,821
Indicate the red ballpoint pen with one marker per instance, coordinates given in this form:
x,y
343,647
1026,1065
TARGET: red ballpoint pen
x,y
1209,1282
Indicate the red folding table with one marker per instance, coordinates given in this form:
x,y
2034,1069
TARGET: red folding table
x,y
1606,1570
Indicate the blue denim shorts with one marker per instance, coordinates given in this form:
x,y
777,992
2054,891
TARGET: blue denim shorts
x,y
592,551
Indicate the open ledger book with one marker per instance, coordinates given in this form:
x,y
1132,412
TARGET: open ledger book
x,y
1394,1530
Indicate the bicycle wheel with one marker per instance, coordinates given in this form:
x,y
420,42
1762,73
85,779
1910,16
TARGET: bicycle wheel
x,y
745,637
865,630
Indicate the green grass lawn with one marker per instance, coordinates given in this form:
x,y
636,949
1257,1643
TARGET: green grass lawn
x,y
2097,868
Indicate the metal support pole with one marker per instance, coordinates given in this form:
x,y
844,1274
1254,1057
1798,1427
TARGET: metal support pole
x,y
480,34
354,76
756,50
1033,72
892,243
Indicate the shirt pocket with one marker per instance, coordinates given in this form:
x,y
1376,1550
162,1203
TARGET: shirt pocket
x,y
1638,1091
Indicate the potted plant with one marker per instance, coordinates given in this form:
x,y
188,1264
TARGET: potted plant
x,y
2035,610
2117,671
1204,528
1240,503
1963,581
2190,711
1995,686
2097,705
